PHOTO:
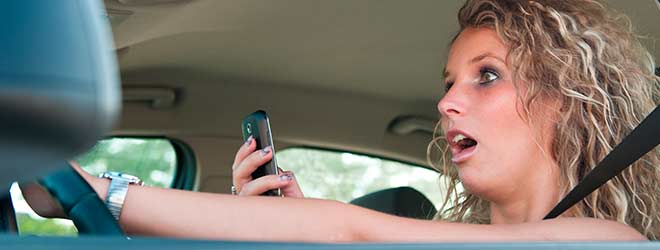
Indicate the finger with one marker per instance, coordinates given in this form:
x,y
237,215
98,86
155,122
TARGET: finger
x,y
246,148
292,189
243,171
265,183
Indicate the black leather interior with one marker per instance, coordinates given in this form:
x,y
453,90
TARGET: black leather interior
x,y
400,201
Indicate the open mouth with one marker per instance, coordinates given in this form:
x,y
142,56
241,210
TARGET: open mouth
x,y
461,144
464,142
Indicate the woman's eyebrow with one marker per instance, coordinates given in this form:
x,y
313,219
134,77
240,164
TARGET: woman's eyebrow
x,y
478,58
485,55
445,73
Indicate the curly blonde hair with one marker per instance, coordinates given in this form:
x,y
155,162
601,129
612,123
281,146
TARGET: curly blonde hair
x,y
591,61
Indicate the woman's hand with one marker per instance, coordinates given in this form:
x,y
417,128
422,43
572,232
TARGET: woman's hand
x,y
247,160
42,202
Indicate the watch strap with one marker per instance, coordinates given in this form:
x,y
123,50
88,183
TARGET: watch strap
x,y
116,196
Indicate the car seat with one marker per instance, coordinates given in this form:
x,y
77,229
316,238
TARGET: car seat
x,y
400,201
59,90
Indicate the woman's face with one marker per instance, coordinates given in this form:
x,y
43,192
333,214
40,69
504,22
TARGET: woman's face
x,y
499,156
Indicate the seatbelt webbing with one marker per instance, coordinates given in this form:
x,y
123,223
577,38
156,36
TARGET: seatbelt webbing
x,y
640,141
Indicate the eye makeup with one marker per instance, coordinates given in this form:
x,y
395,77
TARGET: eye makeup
x,y
448,86
487,75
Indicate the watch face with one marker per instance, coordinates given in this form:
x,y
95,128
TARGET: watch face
x,y
114,175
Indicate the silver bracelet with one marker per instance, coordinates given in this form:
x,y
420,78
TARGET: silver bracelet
x,y
117,190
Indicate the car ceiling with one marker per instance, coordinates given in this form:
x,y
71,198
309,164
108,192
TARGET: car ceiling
x,y
353,66
385,48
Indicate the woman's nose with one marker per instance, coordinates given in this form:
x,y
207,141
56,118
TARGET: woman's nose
x,y
452,103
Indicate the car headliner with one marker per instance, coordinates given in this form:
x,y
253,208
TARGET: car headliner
x,y
380,48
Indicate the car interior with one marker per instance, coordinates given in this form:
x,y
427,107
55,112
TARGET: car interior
x,y
356,79
330,75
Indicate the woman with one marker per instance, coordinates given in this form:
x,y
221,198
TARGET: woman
x,y
537,93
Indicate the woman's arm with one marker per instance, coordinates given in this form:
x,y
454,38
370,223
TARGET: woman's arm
x,y
381,227
175,213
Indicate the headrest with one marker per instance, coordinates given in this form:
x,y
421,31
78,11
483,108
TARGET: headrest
x,y
59,84
400,201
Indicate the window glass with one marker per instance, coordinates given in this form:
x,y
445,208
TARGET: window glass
x,y
154,160
345,176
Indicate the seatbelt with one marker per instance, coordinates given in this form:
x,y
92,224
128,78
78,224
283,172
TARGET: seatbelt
x,y
640,141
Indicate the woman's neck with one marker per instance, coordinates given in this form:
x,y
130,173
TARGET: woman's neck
x,y
531,201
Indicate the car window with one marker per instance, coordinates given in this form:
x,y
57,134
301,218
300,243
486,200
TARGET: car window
x,y
154,160
344,176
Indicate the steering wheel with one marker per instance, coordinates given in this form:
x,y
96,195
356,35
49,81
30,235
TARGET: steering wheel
x,y
80,202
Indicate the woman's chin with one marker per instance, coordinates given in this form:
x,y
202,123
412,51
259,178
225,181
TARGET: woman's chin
x,y
474,180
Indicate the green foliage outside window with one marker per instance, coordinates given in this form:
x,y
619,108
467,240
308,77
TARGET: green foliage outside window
x,y
153,160
45,226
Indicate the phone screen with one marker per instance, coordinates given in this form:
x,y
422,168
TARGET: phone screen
x,y
257,125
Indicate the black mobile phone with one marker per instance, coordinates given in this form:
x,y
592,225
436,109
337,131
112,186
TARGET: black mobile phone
x,y
258,126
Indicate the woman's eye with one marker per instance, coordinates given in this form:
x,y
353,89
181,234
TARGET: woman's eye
x,y
487,76
448,86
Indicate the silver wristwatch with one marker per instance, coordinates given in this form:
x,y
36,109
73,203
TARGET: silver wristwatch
x,y
117,191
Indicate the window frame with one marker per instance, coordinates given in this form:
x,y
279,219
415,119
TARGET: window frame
x,y
185,176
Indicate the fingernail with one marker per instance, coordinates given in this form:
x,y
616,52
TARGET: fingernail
x,y
248,141
286,177
265,151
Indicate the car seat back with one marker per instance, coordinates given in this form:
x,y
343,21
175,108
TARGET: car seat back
x,y
400,201
59,84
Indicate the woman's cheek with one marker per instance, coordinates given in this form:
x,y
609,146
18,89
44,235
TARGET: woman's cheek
x,y
504,141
